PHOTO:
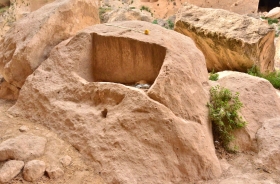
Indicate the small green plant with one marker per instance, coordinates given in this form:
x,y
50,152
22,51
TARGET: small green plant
x,y
155,21
270,20
272,77
145,8
223,112
213,76
170,24
3,9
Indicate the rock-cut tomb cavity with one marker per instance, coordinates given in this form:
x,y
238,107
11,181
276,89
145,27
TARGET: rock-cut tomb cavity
x,y
267,5
122,60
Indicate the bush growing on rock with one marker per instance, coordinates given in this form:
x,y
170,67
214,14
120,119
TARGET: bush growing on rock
x,y
213,76
272,77
223,111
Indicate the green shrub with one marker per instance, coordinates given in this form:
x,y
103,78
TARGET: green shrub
x,y
273,77
145,8
270,20
155,21
223,112
213,76
170,24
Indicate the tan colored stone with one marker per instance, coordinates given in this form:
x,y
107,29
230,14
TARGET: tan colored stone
x,y
30,40
260,103
54,172
22,147
10,170
34,170
159,136
229,41
268,138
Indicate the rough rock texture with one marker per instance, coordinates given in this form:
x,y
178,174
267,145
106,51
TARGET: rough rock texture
x,y
22,147
33,170
274,13
260,103
10,170
66,160
30,40
124,14
54,172
277,53
162,135
268,138
229,41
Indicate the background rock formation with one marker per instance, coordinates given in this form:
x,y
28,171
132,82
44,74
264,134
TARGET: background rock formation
x,y
84,92
229,41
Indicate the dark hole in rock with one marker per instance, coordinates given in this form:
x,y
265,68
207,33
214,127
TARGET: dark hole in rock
x,y
121,60
267,5
104,113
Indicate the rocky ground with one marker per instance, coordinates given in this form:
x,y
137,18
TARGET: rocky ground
x,y
79,170
238,168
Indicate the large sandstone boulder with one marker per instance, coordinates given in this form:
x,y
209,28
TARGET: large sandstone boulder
x,y
229,41
29,41
85,92
260,103
9,170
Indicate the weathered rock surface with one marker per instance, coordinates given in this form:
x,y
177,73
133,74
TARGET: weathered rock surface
x,y
66,160
29,41
229,41
34,170
22,147
124,14
260,103
268,138
274,13
10,170
161,136
54,172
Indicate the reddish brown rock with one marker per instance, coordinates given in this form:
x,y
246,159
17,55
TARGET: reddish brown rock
x,y
29,42
85,92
